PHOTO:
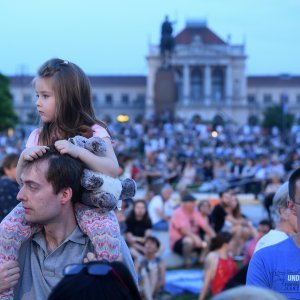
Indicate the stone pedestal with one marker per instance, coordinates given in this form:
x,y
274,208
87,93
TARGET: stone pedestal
x,y
164,92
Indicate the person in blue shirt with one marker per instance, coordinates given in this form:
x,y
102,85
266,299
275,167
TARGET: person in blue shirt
x,y
277,267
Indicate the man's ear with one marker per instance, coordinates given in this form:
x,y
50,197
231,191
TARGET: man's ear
x,y
66,195
292,207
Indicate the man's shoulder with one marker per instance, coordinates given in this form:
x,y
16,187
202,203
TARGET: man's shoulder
x,y
275,249
177,211
271,238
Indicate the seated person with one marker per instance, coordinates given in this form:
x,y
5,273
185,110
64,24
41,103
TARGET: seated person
x,y
263,228
205,210
269,192
185,225
9,187
238,224
219,265
151,269
160,208
219,213
138,227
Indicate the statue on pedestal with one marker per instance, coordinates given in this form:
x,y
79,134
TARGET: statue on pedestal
x,y
166,42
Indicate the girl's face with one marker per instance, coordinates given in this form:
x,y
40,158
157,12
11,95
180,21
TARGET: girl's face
x,y
46,102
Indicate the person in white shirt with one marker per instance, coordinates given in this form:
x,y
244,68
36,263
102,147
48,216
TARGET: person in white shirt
x,y
160,209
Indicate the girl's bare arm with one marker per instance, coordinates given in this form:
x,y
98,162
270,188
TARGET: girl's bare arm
x,y
107,164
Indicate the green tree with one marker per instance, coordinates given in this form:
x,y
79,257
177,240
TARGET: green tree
x,y
8,117
275,116
253,120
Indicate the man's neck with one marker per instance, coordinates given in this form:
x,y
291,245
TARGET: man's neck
x,y
285,227
58,231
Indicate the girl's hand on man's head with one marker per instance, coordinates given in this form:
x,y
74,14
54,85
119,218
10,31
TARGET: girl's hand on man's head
x,y
66,147
33,153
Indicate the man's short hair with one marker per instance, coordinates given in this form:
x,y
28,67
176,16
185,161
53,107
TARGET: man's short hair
x,y
292,183
63,171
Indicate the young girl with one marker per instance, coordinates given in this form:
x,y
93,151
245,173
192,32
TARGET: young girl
x,y
219,266
64,105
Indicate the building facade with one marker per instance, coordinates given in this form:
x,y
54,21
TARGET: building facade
x,y
210,78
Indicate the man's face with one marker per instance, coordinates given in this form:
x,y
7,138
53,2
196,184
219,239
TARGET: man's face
x,y
41,205
189,206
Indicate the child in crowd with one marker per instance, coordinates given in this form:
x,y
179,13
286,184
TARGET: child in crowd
x,y
219,265
263,228
63,100
152,269
9,187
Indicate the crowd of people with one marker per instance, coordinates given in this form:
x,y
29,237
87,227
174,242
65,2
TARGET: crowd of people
x,y
164,157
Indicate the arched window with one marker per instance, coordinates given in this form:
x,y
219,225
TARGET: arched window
x,y
197,90
179,85
218,85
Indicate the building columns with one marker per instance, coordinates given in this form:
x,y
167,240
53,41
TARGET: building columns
x,y
207,85
186,84
150,90
228,84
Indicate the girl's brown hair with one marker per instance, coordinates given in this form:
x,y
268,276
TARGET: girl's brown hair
x,y
74,112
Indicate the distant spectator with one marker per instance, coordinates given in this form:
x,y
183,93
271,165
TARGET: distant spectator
x,y
236,169
276,167
188,175
160,208
9,187
270,191
152,269
205,210
173,171
238,224
155,172
219,213
207,170
185,226
264,227
219,266
138,228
